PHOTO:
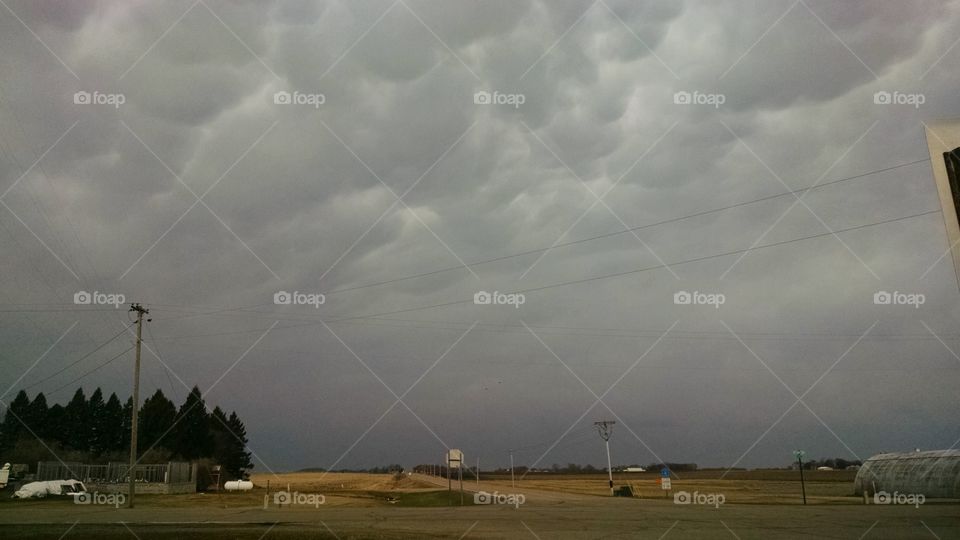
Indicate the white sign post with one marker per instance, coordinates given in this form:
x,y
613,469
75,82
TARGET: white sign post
x,y
455,460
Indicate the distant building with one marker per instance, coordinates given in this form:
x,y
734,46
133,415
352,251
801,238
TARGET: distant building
x,y
634,469
933,473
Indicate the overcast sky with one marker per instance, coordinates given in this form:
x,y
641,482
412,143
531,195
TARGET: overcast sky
x,y
180,178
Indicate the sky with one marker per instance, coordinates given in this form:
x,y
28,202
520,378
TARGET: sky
x,y
587,160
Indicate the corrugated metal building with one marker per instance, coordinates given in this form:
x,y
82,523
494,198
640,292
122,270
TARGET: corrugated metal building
x,y
933,473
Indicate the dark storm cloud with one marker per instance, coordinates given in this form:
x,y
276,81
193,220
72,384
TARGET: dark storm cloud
x,y
304,197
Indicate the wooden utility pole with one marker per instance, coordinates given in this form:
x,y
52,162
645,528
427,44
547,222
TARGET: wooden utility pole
x,y
136,402
605,427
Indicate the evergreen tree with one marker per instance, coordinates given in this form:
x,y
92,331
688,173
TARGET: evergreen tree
x,y
125,416
36,416
77,422
191,435
237,460
95,412
156,416
111,428
55,426
12,425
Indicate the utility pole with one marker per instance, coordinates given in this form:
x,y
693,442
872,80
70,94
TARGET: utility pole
x,y
803,488
605,427
513,484
136,402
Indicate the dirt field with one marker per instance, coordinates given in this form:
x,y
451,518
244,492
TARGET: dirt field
x,y
362,506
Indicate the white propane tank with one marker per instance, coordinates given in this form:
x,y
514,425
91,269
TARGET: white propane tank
x,y
238,485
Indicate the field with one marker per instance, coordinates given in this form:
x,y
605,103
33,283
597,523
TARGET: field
x,y
757,504
750,487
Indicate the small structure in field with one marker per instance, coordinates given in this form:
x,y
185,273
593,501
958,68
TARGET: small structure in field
x,y
933,473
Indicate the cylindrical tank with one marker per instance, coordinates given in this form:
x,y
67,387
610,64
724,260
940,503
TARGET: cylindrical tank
x,y
238,485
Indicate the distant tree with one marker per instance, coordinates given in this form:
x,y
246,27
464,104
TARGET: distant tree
x,y
126,418
77,422
111,426
238,458
54,427
157,416
13,420
95,411
191,435
36,416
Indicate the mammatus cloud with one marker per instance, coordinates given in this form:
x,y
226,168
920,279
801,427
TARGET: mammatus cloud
x,y
400,172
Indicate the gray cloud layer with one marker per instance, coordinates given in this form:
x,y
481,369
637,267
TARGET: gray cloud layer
x,y
304,198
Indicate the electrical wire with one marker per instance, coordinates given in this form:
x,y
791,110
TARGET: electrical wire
x,y
624,231
104,364
77,361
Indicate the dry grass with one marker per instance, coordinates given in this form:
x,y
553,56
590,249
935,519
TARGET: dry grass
x,y
751,487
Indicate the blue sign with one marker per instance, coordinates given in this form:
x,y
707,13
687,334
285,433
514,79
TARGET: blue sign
x,y
665,472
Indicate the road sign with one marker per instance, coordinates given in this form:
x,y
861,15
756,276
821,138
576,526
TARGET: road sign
x,y
454,458
665,483
665,472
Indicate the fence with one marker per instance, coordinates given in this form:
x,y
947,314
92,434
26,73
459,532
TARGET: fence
x,y
116,472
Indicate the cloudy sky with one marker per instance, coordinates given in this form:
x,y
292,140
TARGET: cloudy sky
x,y
401,156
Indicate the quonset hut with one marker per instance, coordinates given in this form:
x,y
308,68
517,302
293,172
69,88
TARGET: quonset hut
x,y
934,473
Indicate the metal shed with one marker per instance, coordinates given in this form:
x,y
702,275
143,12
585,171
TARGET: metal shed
x,y
933,473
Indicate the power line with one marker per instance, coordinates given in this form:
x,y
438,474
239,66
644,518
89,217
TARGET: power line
x,y
648,268
313,321
624,231
77,361
104,364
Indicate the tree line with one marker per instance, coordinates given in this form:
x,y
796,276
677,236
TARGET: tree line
x,y
97,430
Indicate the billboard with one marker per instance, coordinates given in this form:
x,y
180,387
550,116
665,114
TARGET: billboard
x,y
943,142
